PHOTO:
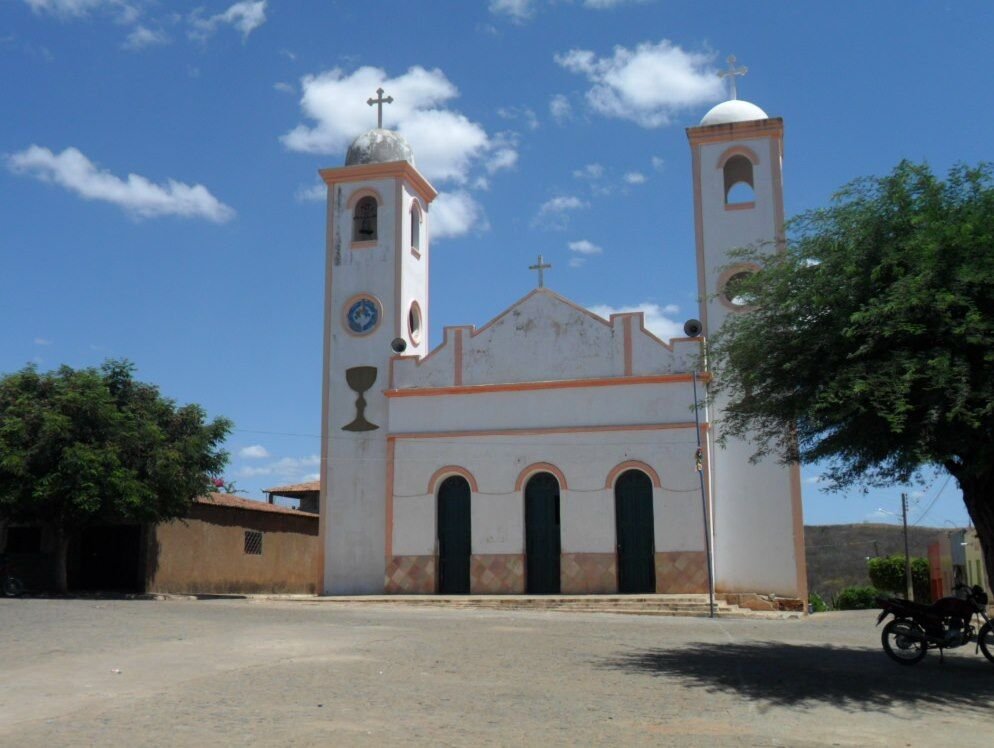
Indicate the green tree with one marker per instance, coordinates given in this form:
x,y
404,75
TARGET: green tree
x,y
888,573
871,344
82,446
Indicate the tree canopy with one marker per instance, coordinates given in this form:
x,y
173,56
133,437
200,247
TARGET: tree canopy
x,y
81,446
870,342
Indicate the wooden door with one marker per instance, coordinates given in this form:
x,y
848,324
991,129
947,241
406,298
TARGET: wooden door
x,y
542,537
454,536
636,541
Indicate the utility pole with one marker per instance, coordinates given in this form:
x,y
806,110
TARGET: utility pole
x,y
910,592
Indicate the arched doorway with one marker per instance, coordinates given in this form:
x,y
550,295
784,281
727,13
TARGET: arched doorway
x,y
542,537
635,535
454,536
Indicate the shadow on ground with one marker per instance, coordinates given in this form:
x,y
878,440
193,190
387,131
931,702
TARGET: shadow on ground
x,y
800,675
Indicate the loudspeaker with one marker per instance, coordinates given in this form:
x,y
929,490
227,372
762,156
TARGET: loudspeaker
x,y
399,345
692,328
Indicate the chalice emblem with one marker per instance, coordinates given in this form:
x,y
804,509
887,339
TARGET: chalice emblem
x,y
360,379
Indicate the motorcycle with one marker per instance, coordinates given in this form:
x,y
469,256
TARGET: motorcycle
x,y
10,586
945,624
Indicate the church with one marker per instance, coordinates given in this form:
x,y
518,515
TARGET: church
x,y
548,450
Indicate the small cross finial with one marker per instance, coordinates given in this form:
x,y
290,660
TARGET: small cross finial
x,y
731,74
379,101
540,267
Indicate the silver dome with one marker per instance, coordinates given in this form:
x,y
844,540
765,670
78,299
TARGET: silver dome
x,y
379,147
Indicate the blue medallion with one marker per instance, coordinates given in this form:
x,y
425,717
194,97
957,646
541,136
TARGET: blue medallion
x,y
363,316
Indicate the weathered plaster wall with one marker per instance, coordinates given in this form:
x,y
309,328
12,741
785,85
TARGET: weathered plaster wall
x,y
206,552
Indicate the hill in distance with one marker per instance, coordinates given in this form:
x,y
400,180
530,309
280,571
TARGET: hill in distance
x,y
837,554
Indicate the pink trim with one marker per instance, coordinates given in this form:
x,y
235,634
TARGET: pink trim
x,y
738,150
365,244
741,206
628,345
393,169
457,359
632,465
450,470
415,310
362,192
390,478
560,384
776,171
541,467
547,430
398,260
702,285
415,254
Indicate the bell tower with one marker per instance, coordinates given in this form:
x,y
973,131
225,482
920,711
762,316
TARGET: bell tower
x,y
376,305
737,153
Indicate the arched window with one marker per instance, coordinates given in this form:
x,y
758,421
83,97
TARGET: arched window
x,y
739,187
416,227
364,220
414,323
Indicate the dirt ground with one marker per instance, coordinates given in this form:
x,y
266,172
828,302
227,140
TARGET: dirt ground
x,y
252,672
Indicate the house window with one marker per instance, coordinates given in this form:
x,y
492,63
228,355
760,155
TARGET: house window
x,y
739,187
253,543
364,220
414,323
416,228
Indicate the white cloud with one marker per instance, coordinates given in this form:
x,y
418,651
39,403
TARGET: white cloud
x,y
446,144
590,171
142,37
658,163
585,247
576,262
310,477
516,10
647,85
560,108
635,177
656,320
525,114
284,87
245,16
455,214
553,213
254,452
607,4
67,9
42,341
137,195
312,193
286,468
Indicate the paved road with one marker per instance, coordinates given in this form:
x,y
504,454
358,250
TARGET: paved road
x,y
242,672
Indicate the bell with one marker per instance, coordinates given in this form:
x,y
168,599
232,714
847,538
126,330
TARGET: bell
x,y
367,227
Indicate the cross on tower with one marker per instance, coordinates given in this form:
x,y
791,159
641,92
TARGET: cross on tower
x,y
540,267
731,74
379,101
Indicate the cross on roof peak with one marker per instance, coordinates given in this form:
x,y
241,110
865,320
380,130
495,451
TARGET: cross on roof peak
x,y
540,267
731,74
379,101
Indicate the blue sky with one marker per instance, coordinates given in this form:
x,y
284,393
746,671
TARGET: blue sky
x,y
158,170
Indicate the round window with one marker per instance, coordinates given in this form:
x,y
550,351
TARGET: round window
x,y
734,293
414,323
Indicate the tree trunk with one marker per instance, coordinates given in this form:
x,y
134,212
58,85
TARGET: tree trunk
x,y
978,495
61,557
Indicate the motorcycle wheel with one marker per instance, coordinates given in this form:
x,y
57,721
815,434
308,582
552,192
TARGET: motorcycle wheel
x,y
986,640
904,642
12,587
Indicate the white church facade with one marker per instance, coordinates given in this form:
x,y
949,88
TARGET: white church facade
x,y
550,450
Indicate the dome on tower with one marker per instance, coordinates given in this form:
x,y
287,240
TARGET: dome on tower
x,y
379,146
734,110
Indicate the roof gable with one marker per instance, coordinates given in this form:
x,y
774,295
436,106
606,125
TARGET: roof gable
x,y
543,337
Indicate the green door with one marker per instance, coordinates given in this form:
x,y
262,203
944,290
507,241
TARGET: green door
x,y
542,544
454,536
636,542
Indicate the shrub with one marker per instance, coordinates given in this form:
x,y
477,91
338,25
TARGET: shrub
x,y
816,603
887,573
856,598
